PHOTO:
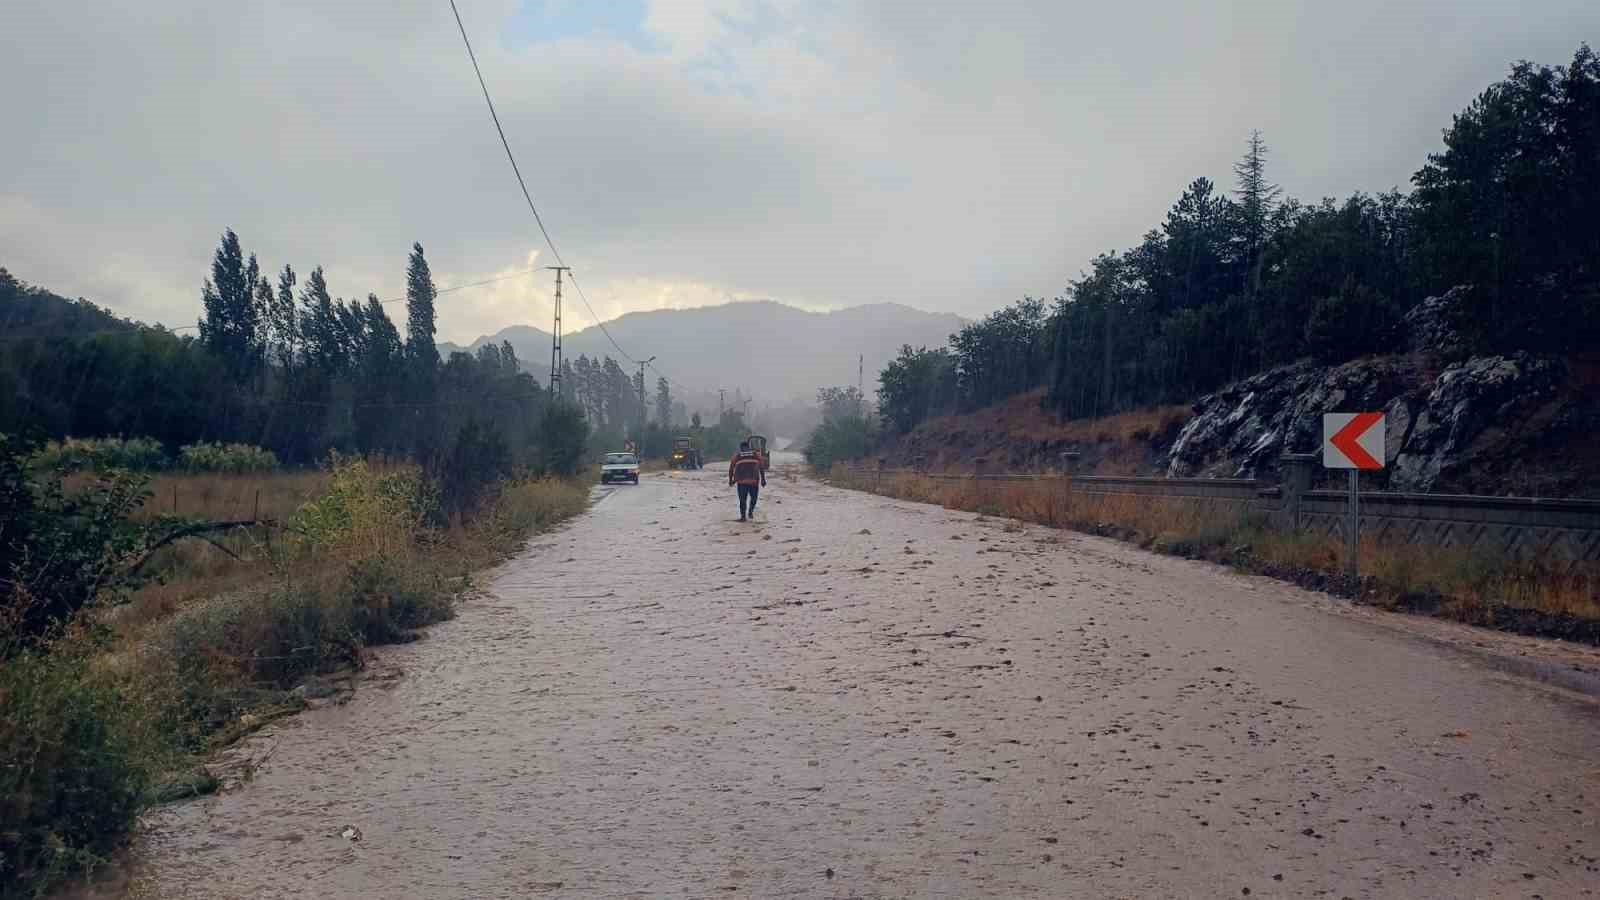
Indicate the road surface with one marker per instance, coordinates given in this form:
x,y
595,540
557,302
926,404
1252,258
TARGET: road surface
x,y
860,697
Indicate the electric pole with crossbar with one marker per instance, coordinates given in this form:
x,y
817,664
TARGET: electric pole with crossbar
x,y
642,364
555,337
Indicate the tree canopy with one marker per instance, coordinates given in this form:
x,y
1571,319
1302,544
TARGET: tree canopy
x,y
1229,285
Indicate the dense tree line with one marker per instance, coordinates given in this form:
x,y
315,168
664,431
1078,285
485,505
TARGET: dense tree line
x,y
282,363
1231,283
847,430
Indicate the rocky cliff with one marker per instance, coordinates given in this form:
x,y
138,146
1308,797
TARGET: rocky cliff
x,y
1515,424
1503,424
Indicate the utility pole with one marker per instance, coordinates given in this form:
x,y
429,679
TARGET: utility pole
x,y
642,364
555,337
861,383
722,403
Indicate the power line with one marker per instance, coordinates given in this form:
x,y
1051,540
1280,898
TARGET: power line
x,y
460,287
523,184
527,196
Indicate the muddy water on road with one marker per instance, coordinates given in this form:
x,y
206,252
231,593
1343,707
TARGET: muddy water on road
x,y
857,697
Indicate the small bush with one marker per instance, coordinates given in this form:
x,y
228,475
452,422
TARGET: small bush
x,y
101,455
232,459
365,514
73,769
235,654
388,600
528,506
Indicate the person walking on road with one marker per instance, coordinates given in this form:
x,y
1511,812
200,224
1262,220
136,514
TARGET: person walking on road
x,y
747,471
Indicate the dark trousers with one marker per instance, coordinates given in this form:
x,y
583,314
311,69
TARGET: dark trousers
x,y
748,492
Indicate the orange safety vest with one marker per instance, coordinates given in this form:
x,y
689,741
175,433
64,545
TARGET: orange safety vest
x,y
745,467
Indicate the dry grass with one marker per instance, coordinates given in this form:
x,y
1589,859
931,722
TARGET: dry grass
x,y
1467,585
218,497
1025,435
1024,417
229,561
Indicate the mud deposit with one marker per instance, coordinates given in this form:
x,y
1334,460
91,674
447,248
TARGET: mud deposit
x,y
860,697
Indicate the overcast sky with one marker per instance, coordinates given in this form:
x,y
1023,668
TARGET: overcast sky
x,y
946,154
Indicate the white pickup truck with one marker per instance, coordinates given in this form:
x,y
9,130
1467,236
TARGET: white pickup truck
x,y
619,467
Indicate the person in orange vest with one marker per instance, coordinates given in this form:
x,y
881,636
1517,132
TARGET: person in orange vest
x,y
746,470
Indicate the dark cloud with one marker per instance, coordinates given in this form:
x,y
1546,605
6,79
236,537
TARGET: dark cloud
x,y
948,155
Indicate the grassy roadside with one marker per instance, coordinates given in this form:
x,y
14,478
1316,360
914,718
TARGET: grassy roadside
x,y
120,711
1475,587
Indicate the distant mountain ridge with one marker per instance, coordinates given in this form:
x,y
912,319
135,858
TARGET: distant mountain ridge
x,y
763,348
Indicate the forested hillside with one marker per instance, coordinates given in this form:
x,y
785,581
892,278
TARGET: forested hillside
x,y
282,363
1235,281
27,311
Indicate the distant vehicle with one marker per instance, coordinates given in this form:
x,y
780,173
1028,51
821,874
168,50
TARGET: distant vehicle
x,y
686,453
758,443
619,467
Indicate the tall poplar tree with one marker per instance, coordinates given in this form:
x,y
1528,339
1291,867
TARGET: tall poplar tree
x,y
420,294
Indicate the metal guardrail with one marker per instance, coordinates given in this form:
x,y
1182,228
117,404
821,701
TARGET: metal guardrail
x,y
1561,528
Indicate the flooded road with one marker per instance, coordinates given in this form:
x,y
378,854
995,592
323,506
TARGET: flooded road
x,y
861,697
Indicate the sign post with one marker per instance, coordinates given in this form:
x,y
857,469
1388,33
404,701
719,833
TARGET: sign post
x,y
1353,441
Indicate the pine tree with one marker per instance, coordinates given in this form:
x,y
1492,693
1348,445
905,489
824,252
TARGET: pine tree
x,y
420,294
1257,199
1191,232
569,382
510,366
663,403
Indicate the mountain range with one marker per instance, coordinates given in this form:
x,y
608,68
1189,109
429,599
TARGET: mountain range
x,y
763,349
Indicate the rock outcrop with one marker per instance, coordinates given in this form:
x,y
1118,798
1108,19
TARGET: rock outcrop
x,y
1448,412
1436,424
1434,325
1455,420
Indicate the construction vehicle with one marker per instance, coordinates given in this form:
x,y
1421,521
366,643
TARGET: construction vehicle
x,y
686,453
758,443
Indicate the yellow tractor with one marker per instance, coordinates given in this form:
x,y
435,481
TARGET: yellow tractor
x,y
686,453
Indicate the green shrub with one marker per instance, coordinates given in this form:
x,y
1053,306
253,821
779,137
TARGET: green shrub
x,y
231,459
1354,322
389,600
101,455
837,439
564,434
365,514
59,551
223,658
478,457
74,769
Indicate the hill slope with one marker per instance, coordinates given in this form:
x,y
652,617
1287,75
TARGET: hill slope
x,y
1520,425
765,349
31,311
